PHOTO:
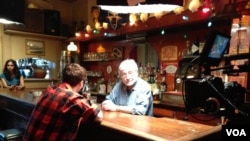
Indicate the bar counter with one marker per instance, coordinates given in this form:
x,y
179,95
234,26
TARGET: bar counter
x,y
120,125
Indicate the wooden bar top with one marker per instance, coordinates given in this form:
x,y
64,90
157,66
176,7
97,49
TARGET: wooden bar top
x,y
21,95
149,128
153,128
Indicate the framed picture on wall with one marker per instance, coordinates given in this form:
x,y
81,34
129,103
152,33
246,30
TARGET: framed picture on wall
x,y
35,47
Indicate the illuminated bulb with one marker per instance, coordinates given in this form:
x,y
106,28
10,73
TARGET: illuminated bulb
x,y
209,24
144,17
95,31
100,48
185,18
205,10
88,28
132,19
178,10
98,25
105,25
162,32
194,5
86,35
77,34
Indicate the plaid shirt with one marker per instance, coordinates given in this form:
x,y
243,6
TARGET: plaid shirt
x,y
57,115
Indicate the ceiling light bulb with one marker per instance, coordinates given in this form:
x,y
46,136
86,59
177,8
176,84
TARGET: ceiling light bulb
x,y
132,19
105,25
77,34
97,25
144,17
88,28
194,5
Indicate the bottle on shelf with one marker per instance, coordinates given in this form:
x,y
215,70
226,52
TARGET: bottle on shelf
x,y
187,51
110,86
101,86
151,78
163,85
153,85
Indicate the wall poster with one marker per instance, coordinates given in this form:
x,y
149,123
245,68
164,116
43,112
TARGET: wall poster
x,y
169,53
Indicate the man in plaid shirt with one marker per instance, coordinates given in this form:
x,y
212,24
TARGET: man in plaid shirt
x,y
60,110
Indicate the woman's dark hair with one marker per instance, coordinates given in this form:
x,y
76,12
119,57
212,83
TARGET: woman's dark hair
x,y
16,70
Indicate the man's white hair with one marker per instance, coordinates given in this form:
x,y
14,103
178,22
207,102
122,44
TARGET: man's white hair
x,y
128,64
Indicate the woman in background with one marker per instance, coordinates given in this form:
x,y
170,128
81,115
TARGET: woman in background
x,y
12,78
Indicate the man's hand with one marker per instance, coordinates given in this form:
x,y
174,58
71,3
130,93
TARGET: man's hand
x,y
109,106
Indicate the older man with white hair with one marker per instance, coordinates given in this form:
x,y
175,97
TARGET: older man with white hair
x,y
132,94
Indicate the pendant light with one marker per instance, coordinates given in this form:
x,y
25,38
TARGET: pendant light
x,y
72,47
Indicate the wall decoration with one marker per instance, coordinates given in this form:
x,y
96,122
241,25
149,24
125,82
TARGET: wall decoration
x,y
169,53
35,47
117,52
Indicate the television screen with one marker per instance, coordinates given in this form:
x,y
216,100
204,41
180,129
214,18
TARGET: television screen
x,y
12,10
214,49
218,47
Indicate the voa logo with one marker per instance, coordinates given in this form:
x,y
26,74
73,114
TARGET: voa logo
x,y
236,132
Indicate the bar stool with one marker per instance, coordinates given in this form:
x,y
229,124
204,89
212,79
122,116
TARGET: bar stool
x,y
11,134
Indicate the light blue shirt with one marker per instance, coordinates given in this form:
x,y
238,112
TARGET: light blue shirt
x,y
139,98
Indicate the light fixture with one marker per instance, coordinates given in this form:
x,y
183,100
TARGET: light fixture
x,y
77,34
140,8
194,5
88,28
139,11
144,17
210,23
72,47
98,25
162,32
86,35
132,19
95,31
105,25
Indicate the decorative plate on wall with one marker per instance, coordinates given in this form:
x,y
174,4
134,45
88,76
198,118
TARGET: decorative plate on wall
x,y
117,52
